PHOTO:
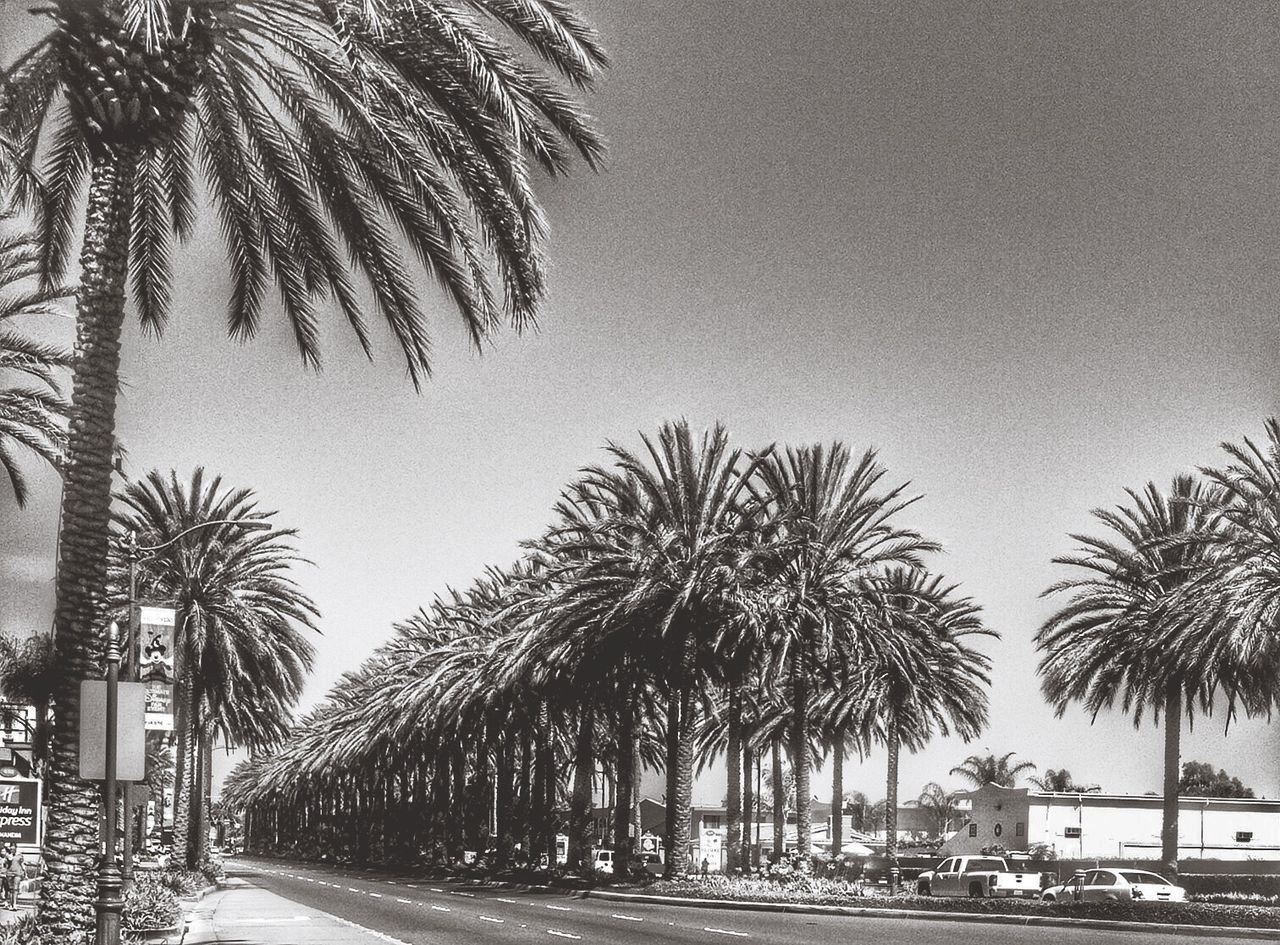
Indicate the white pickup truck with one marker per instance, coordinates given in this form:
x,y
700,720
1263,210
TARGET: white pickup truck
x,y
977,876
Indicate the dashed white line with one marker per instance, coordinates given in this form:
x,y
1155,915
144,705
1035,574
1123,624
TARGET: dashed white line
x,y
442,908
725,932
468,895
352,889
433,889
398,899
489,918
626,918
375,895
563,934
510,902
411,886
560,908
381,936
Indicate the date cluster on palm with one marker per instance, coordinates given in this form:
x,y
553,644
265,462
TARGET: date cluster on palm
x,y
130,88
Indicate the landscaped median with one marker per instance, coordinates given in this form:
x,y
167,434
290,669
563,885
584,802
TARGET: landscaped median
x,y
821,895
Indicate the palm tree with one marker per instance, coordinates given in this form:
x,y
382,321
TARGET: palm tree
x,y
927,679
981,770
828,529
32,416
240,653
1103,646
671,554
941,804
322,128
1060,781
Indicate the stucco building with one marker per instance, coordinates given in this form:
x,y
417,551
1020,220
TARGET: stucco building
x,y
1121,826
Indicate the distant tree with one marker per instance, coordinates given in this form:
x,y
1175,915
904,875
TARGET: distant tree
x,y
1200,780
1060,781
28,674
941,805
979,770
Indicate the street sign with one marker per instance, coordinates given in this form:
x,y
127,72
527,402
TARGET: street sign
x,y
156,669
20,811
131,736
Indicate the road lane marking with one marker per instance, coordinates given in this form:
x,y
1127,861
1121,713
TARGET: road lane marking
x,y
433,889
511,902
380,936
489,918
442,908
628,918
725,932
398,899
563,934
455,892
560,908
352,889
411,886
375,895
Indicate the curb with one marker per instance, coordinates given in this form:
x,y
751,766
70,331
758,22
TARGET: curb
x,y
927,915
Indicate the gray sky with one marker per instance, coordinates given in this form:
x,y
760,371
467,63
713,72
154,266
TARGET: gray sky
x,y
1026,249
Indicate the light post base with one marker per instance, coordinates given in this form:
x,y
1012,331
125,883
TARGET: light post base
x,y
109,906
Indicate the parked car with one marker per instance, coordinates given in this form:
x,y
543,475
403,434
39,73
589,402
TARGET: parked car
x,y
1115,884
978,876
603,862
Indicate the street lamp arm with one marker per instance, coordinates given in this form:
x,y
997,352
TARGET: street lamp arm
x,y
251,525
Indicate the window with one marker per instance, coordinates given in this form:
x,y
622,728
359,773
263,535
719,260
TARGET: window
x,y
1020,829
999,829
1070,832
973,830
711,821
948,867
1244,836
1100,878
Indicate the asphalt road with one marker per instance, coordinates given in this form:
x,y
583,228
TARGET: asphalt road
x,y
434,912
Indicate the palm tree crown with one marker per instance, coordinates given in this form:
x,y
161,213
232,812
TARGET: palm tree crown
x,y
980,770
32,415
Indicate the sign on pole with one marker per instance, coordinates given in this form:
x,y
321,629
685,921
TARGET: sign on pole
x,y
20,811
131,736
157,671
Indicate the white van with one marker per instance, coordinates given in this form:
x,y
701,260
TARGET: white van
x,y
603,861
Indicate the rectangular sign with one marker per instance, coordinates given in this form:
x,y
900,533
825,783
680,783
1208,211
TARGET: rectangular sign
x,y
155,644
20,811
131,735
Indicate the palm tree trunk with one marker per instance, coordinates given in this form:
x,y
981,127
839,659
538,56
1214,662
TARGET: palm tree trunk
x,y
505,799
800,754
67,891
837,793
584,768
1172,757
680,735
733,759
673,784
779,804
623,847
891,800
200,799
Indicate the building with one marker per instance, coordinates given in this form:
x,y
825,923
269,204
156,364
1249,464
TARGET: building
x,y
1117,826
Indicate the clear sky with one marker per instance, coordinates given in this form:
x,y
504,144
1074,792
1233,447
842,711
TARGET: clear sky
x,y
1026,249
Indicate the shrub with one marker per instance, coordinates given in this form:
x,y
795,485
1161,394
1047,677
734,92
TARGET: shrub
x,y
182,882
149,905
1200,884
22,932
212,869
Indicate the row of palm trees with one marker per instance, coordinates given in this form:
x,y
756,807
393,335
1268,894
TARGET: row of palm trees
x,y
1174,609
336,139
691,601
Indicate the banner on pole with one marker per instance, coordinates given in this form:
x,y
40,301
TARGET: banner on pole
x,y
157,671
131,738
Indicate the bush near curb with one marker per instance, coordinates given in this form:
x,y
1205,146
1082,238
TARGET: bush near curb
x,y
824,892
150,904
1246,884
22,932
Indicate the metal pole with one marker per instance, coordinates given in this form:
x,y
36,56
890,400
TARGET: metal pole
x,y
131,673
110,904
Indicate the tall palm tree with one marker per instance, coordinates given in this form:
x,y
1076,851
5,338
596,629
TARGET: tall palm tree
x,y
671,551
829,528
321,128
241,655
1102,646
32,415
981,770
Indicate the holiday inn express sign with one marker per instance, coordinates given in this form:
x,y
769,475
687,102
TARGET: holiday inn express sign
x,y
20,811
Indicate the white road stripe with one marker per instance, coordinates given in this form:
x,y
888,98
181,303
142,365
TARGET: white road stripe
x,y
628,918
433,889
511,902
411,886
468,895
563,934
380,936
352,889
489,918
442,909
376,895
398,899
725,932
560,908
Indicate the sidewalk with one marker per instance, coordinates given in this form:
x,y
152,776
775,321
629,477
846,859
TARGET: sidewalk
x,y
243,914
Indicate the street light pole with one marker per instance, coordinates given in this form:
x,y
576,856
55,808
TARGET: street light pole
x,y
110,904
133,642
